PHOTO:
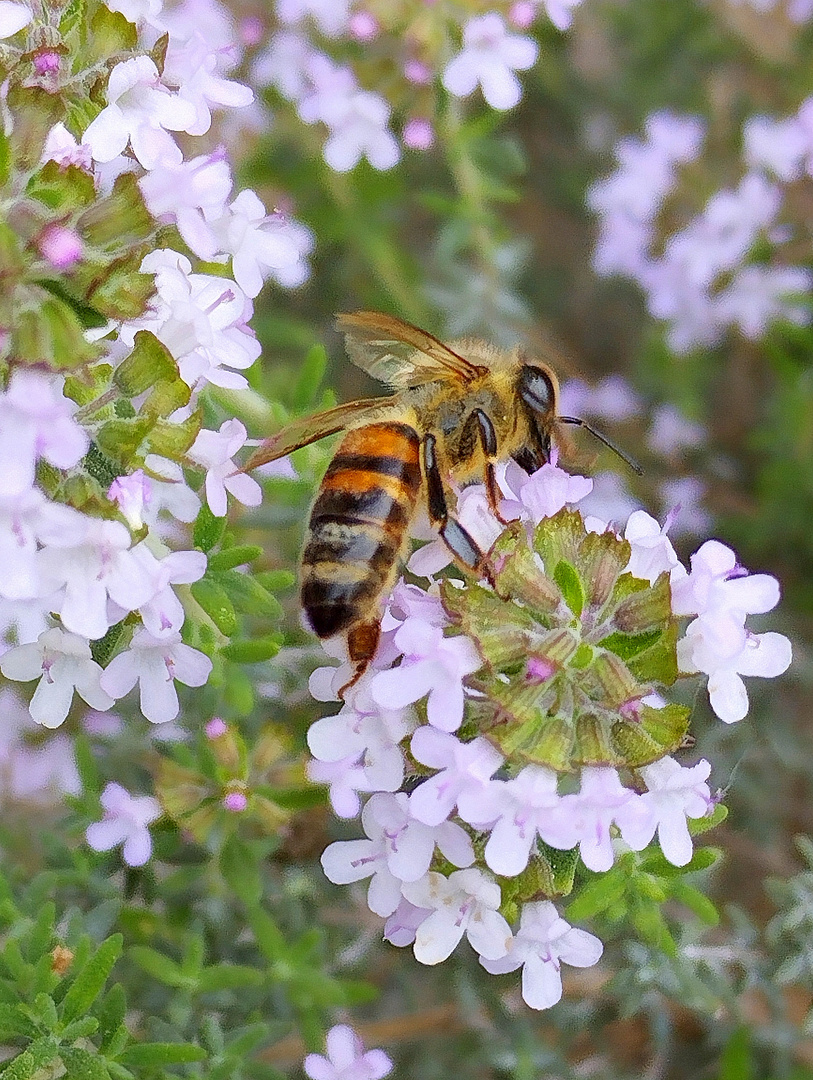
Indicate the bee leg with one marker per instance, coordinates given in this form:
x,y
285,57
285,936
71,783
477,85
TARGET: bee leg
x,y
362,642
454,536
488,442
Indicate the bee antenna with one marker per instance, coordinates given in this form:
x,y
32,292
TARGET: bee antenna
x,y
636,468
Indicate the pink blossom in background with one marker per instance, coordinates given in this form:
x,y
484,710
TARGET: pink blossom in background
x,y
126,820
346,1059
489,58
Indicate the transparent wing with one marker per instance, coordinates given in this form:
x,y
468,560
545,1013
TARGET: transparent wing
x,y
398,353
310,429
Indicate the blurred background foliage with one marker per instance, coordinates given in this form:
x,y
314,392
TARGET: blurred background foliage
x,y
233,940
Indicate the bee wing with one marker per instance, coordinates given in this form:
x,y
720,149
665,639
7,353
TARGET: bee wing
x,y
398,353
310,429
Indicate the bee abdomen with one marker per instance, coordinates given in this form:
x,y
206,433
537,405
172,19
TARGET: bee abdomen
x,y
358,525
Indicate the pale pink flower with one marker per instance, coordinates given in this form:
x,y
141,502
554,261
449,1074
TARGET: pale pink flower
x,y
214,450
526,807
489,58
674,793
671,432
602,801
330,16
467,903
126,820
542,494
62,147
63,664
543,943
346,1059
191,67
652,553
13,17
193,194
418,133
26,521
464,771
719,645
717,583
155,663
131,494
35,422
432,664
141,112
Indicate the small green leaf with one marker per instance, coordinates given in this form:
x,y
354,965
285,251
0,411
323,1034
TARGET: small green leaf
x,y
648,920
214,600
36,1057
88,983
695,901
240,870
208,529
110,1012
228,977
736,1062
82,1065
252,650
247,595
311,373
268,935
156,1055
235,556
598,895
161,967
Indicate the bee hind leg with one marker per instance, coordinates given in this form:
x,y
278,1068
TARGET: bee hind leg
x,y
455,537
362,642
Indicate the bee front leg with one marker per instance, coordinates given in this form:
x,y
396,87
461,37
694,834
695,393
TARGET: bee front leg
x,y
488,442
455,537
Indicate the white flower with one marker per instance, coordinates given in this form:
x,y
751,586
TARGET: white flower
x,y
193,194
215,450
601,802
63,663
489,57
191,67
672,432
717,583
125,821
140,111
164,612
13,17
543,943
202,320
399,848
62,147
526,806
169,491
464,903
359,128
543,493
35,422
284,64
25,520
464,771
132,495
345,778
346,1059
720,646
155,663
652,553
93,567
401,927
262,244
674,793
432,664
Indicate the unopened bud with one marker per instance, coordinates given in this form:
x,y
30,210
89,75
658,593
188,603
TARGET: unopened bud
x,y
61,247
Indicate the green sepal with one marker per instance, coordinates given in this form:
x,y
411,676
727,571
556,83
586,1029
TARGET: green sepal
x,y
63,189
149,362
232,557
119,219
565,576
121,439
110,33
173,440
47,331
247,595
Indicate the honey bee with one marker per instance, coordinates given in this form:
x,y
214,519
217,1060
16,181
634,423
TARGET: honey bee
x,y
457,410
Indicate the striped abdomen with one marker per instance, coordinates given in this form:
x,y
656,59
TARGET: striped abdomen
x,y
358,525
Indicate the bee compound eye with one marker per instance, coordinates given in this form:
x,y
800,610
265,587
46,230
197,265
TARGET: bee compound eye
x,y
536,389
